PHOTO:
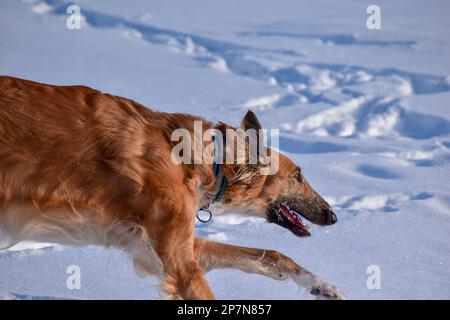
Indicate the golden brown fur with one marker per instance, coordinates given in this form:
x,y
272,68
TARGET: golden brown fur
x,y
81,167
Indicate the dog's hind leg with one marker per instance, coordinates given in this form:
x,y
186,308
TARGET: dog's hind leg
x,y
213,255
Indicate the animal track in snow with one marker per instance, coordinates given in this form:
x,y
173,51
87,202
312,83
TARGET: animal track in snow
x,y
377,172
371,117
305,82
436,154
385,203
334,39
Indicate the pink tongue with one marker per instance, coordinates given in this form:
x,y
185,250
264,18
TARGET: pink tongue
x,y
292,216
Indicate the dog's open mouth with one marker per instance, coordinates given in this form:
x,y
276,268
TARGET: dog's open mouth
x,y
282,214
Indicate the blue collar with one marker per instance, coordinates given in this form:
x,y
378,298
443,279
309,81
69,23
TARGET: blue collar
x,y
216,167
216,170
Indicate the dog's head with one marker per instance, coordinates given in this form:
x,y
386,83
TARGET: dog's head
x,y
284,197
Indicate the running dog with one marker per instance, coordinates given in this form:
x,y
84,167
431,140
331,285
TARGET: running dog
x,y
80,167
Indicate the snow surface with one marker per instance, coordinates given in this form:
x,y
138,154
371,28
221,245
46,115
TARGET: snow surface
x,y
364,112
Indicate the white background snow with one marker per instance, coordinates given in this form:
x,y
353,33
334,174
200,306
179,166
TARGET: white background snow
x,y
366,114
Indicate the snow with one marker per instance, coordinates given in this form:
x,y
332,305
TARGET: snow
x,y
364,112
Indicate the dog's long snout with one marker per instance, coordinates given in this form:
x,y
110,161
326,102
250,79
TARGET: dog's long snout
x,y
330,216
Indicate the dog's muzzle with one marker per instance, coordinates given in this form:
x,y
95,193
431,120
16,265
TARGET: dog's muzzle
x,y
289,214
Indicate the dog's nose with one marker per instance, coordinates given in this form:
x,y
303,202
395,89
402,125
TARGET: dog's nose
x,y
331,216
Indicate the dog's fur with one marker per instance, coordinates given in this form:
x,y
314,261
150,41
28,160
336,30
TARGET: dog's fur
x,y
81,167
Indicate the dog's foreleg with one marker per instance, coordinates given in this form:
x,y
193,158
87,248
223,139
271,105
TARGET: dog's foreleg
x,y
212,255
184,277
174,245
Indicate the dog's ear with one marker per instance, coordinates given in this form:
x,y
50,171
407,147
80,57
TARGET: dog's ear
x,y
250,121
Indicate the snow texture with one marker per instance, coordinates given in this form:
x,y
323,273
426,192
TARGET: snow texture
x,y
364,112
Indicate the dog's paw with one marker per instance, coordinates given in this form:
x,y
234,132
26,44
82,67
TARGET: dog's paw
x,y
326,291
